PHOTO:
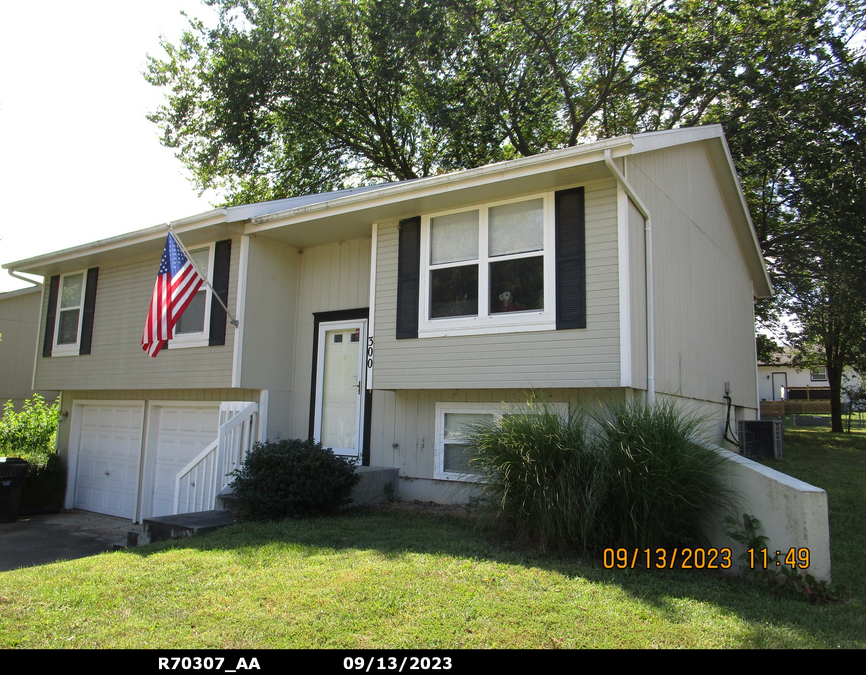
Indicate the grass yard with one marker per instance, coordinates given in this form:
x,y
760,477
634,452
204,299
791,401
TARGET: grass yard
x,y
415,578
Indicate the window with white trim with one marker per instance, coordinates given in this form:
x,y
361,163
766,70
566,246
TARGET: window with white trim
x,y
192,330
818,374
70,313
488,269
455,423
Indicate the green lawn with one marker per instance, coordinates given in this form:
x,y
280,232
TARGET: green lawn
x,y
398,578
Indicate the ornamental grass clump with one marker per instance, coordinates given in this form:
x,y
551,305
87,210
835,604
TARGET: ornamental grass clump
x,y
661,482
541,474
637,477
293,478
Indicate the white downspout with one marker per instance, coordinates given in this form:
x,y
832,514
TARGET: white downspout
x,y
648,263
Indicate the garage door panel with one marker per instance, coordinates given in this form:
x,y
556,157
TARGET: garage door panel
x,y
108,459
182,434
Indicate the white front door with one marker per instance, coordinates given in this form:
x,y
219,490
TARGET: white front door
x,y
340,389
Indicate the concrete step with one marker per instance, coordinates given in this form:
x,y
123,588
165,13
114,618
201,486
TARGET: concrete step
x,y
164,528
378,484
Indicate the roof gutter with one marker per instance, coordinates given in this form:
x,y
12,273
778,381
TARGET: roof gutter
x,y
18,276
648,266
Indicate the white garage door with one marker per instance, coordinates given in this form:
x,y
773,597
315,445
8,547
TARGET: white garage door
x,y
109,450
182,433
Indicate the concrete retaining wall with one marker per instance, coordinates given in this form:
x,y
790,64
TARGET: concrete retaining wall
x,y
793,514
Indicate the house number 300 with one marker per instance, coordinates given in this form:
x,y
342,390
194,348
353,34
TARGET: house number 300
x,y
369,352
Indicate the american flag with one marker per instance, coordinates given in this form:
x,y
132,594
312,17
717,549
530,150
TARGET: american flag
x,y
176,286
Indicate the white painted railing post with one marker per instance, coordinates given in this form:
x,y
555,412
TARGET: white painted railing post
x,y
209,473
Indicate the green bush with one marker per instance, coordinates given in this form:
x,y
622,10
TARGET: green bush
x,y
32,431
292,478
541,474
662,482
639,479
30,435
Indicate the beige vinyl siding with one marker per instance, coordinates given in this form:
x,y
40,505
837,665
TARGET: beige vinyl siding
x,y
269,315
117,361
330,278
571,358
404,422
704,316
68,398
268,344
19,327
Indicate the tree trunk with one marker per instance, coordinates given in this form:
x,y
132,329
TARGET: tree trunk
x,y
834,377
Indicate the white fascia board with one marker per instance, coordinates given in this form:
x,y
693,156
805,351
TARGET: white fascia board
x,y
555,160
21,291
157,232
657,140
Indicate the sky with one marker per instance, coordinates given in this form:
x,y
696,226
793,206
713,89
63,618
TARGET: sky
x,y
79,161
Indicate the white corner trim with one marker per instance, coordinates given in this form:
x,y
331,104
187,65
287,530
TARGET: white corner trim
x,y
240,306
369,351
625,337
263,416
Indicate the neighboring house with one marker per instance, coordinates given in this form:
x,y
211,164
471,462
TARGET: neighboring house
x,y
777,381
19,327
381,320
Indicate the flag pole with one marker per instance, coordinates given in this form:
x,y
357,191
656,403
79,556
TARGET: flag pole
x,y
234,321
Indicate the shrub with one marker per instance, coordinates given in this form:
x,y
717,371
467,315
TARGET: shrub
x,y
32,431
30,435
292,478
662,483
642,479
541,474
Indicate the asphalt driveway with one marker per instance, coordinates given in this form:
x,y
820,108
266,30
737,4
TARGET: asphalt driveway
x,y
42,539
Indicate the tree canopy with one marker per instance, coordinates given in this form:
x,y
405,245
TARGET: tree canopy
x,y
283,98
291,97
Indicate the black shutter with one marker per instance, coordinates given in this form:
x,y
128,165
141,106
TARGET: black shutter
x,y
570,260
51,318
408,277
221,259
89,308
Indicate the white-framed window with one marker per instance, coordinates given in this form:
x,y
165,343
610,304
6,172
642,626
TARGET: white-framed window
x,y
70,312
818,374
454,423
193,328
488,269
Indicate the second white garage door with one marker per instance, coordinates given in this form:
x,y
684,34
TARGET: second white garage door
x,y
182,432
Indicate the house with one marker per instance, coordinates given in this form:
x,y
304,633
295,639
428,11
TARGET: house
x,y
19,326
380,320
780,381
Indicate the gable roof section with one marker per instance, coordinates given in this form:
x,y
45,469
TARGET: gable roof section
x,y
348,214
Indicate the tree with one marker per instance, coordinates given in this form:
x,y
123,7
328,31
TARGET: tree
x,y
284,98
287,98
796,129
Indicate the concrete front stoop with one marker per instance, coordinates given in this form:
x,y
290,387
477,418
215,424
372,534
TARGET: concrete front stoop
x,y
377,484
182,525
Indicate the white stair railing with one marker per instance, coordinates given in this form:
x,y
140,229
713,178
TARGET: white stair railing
x,y
209,474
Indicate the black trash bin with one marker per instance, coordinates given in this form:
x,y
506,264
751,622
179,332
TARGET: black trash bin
x,y
13,471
